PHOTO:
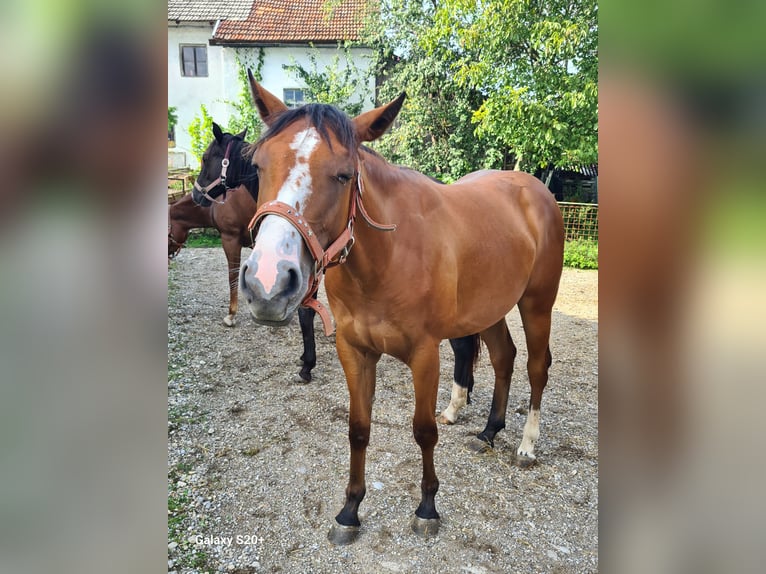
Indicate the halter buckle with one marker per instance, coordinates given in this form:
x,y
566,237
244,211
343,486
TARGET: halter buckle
x,y
344,254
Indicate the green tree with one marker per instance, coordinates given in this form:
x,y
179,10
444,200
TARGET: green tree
x,y
245,114
536,64
434,131
337,84
201,131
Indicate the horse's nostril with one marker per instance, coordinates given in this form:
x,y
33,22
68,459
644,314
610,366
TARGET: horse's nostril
x,y
292,281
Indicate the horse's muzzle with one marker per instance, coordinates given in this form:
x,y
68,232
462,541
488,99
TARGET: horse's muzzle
x,y
272,295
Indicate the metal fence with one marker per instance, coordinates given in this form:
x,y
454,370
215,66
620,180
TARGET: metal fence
x,y
580,220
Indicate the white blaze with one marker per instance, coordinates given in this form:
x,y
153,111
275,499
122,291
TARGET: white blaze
x,y
297,187
277,238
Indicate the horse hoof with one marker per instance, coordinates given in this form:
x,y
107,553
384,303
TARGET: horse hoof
x,y
425,527
479,446
441,419
341,535
229,321
297,379
524,461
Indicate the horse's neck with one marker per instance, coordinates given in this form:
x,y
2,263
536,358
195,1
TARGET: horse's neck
x,y
243,171
380,197
190,215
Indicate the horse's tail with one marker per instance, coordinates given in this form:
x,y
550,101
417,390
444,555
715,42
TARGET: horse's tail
x,y
466,351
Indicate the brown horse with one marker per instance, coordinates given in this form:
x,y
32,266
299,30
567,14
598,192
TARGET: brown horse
x,y
223,198
229,215
444,261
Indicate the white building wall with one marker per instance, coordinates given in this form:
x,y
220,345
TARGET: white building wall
x,y
222,84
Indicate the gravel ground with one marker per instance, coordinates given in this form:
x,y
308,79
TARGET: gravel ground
x,y
255,457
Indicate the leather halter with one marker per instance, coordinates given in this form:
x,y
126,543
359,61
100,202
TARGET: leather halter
x,y
335,254
220,180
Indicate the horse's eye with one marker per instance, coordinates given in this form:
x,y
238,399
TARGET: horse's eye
x,y
343,178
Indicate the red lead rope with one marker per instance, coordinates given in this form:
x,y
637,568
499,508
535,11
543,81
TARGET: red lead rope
x,y
323,259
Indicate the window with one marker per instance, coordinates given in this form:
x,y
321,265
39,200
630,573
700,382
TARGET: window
x,y
194,60
293,97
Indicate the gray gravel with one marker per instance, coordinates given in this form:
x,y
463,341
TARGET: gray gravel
x,y
258,458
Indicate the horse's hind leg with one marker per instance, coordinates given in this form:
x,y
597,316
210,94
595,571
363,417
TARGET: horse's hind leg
x,y
466,352
502,354
232,249
309,356
536,318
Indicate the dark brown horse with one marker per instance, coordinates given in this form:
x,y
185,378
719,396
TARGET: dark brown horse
x,y
429,262
227,204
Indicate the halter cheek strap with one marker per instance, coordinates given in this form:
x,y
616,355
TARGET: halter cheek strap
x,y
335,254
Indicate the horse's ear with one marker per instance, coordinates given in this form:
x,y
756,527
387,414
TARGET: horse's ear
x,y
373,124
242,134
217,132
269,106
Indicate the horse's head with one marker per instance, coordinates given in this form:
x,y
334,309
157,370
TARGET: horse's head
x,y
308,168
177,235
222,167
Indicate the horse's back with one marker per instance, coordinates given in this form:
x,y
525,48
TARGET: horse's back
x,y
517,201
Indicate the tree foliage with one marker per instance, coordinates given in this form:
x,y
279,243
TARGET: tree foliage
x,y
339,83
201,132
488,80
536,64
434,131
245,113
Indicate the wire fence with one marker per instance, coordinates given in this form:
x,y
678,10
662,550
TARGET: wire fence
x,y
580,220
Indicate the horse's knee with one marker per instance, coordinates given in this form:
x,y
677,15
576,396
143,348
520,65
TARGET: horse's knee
x,y
359,436
426,435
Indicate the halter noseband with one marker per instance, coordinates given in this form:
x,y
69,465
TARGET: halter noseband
x,y
220,180
335,254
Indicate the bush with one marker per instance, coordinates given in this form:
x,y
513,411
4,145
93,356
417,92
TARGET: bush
x,y
581,254
201,132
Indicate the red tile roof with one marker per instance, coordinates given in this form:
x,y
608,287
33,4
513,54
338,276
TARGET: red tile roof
x,y
295,21
201,10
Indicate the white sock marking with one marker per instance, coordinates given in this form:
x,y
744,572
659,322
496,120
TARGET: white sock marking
x,y
457,402
531,434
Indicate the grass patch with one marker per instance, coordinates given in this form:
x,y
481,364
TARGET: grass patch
x,y
581,254
204,238
177,185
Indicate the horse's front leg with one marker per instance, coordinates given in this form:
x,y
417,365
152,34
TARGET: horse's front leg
x,y
359,367
309,356
425,376
232,249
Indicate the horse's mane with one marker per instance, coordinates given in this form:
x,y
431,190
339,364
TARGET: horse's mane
x,y
323,117
375,154
243,173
